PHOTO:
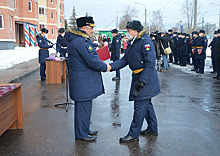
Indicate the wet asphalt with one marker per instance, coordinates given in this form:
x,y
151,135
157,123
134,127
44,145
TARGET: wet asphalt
x,y
188,114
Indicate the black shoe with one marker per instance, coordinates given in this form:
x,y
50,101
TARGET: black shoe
x,y
88,138
183,65
116,78
193,69
213,72
43,79
215,77
147,132
127,139
200,72
93,133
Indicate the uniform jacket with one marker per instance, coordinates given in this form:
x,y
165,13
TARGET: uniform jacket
x,y
176,39
85,67
201,42
61,45
216,45
44,46
139,55
212,45
183,50
172,42
115,48
164,41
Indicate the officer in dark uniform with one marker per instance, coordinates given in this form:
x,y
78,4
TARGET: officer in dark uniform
x,y
115,51
174,50
200,55
189,49
43,52
172,46
213,52
183,49
140,57
61,45
194,43
85,78
216,45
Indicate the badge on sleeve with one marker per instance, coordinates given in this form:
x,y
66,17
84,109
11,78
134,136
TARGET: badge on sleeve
x,y
205,40
147,47
89,48
117,41
40,41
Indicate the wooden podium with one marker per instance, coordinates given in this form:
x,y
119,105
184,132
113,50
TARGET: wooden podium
x,y
55,71
11,116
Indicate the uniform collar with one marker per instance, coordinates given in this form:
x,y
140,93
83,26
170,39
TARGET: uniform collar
x,y
79,33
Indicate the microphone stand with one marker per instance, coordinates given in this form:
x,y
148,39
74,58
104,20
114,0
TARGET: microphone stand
x,y
67,103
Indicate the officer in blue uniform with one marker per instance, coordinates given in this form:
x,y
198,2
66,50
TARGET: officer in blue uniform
x,y
172,46
43,52
213,52
200,55
183,49
189,49
140,57
195,37
174,50
115,51
61,44
216,45
85,78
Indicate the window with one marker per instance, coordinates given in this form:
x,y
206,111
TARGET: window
x,y
42,26
30,6
52,31
1,22
15,4
51,1
60,7
42,11
10,22
60,20
52,15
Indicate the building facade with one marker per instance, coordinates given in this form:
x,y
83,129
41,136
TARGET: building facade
x,y
21,20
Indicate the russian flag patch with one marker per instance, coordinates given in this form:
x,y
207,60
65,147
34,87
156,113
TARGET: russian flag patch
x,y
147,46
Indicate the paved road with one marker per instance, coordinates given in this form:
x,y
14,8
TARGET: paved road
x,y
188,112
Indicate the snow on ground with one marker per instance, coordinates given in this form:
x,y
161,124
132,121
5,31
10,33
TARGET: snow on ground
x,y
10,58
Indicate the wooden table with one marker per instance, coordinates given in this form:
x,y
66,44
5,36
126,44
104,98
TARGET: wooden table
x,y
11,116
55,71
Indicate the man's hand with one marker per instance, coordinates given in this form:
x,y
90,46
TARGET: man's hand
x,y
109,67
138,86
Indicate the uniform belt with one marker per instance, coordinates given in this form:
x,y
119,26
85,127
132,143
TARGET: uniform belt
x,y
199,47
63,47
181,46
193,46
43,48
137,71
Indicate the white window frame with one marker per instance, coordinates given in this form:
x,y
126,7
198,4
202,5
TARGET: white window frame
x,y
52,15
11,23
29,5
52,31
2,16
15,4
60,20
41,10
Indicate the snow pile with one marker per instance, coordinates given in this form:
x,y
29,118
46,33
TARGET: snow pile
x,y
10,58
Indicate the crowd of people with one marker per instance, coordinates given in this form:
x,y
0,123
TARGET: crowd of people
x,y
187,49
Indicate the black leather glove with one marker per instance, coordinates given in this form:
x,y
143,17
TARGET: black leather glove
x,y
51,46
138,86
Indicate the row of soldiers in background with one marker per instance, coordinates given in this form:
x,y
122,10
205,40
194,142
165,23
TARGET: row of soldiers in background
x,y
184,48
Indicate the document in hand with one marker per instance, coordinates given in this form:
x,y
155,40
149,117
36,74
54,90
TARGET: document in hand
x,y
104,53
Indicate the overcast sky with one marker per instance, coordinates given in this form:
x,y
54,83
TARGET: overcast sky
x,y
105,11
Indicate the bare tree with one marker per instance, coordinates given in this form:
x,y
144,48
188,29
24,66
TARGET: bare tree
x,y
129,13
157,21
188,13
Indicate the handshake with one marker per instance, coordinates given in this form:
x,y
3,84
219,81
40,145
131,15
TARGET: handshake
x,y
109,67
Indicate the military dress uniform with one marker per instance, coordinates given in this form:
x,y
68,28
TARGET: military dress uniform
x,y
140,57
43,54
176,39
85,79
183,51
216,45
115,50
201,43
61,45
212,45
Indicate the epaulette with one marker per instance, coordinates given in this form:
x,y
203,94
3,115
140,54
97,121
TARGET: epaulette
x,y
143,38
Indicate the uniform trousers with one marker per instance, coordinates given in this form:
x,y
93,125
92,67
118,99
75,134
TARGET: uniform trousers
x,y
42,70
217,64
182,60
201,65
171,57
83,110
143,109
117,71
